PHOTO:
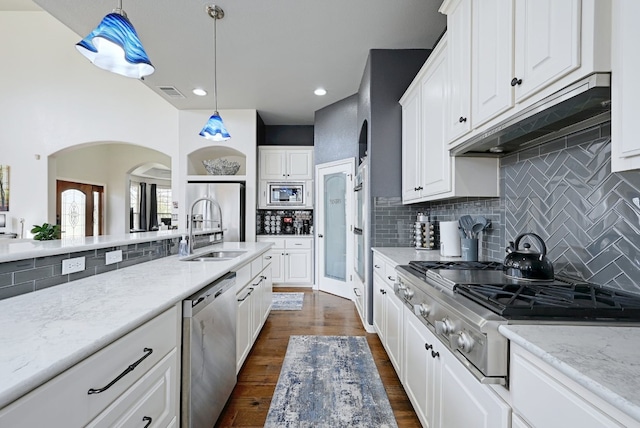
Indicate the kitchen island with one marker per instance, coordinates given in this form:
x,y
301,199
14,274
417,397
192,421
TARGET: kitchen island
x,y
46,332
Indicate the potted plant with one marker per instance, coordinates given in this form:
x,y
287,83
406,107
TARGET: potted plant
x,y
46,232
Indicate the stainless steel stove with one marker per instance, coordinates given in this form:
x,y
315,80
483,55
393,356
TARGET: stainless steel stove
x,y
464,303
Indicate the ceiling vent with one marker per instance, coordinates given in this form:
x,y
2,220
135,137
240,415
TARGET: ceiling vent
x,y
171,92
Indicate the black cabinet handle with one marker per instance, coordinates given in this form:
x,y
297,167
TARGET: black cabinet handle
x,y
462,119
147,351
435,354
148,420
515,81
247,296
376,266
392,279
320,236
427,346
268,257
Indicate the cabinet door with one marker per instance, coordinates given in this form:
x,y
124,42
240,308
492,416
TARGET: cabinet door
x,y
435,161
394,330
379,290
491,59
256,307
272,165
483,408
420,381
277,265
459,57
411,126
267,292
298,266
547,43
243,327
299,164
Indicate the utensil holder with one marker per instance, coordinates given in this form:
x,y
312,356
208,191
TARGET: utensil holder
x,y
469,249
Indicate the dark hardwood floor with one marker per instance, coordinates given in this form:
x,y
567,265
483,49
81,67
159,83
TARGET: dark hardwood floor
x,y
322,314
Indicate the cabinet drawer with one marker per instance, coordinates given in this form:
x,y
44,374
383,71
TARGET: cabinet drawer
x,y
379,265
297,243
65,401
243,276
153,396
277,242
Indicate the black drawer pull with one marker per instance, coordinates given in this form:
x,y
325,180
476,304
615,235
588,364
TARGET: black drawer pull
x,y
427,346
148,420
247,296
147,351
435,354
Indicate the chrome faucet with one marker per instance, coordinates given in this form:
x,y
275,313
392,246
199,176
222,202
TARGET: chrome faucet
x,y
213,201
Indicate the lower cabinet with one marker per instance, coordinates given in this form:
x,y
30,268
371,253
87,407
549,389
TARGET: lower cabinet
x,y
254,296
443,392
94,393
542,397
291,259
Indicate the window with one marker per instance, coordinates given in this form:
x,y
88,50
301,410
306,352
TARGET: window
x,y
163,198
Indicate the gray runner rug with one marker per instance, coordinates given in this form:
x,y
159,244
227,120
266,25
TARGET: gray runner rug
x,y
287,301
329,381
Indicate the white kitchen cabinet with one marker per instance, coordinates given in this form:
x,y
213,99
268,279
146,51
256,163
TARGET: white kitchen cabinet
x,y
458,117
547,43
625,86
443,392
387,311
545,398
151,388
521,52
281,164
491,59
428,172
253,295
291,258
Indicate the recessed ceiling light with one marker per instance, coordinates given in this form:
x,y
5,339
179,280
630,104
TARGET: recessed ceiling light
x,y
320,92
200,92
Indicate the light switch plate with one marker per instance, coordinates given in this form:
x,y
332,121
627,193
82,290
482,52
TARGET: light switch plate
x,y
76,264
113,257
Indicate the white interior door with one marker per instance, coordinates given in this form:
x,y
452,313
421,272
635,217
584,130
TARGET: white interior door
x,y
334,227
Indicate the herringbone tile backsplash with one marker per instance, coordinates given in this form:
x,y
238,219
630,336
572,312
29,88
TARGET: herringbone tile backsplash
x,y
589,217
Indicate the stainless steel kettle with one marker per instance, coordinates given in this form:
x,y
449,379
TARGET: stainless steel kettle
x,y
528,264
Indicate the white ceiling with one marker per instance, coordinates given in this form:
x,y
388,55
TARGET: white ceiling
x,y
271,54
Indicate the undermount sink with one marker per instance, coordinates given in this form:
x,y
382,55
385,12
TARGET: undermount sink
x,y
216,256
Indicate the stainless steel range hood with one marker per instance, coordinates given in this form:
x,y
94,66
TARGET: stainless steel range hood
x,y
588,100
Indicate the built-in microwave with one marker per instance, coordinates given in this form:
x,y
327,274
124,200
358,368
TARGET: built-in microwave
x,y
291,194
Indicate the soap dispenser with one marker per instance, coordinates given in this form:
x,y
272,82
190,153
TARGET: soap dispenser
x,y
183,249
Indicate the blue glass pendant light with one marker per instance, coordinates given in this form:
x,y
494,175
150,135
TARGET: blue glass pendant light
x,y
114,46
214,129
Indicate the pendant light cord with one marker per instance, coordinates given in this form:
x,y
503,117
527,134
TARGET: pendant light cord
x,y
215,64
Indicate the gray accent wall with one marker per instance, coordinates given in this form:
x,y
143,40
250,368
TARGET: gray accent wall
x,y
335,131
288,135
386,77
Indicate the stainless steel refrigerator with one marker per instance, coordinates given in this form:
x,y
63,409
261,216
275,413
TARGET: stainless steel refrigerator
x,y
230,196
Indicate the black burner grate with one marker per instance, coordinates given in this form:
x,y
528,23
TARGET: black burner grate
x,y
570,301
423,266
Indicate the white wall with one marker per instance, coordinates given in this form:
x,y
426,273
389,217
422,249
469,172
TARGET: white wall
x,y
53,98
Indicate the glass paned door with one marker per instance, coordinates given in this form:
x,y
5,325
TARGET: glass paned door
x,y
334,243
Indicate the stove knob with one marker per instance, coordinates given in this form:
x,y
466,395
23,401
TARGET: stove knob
x,y
408,294
423,310
465,342
444,327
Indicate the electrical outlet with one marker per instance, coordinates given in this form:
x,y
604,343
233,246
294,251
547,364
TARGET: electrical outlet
x,y
73,265
113,257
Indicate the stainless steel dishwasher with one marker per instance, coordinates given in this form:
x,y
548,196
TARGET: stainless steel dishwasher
x,y
208,352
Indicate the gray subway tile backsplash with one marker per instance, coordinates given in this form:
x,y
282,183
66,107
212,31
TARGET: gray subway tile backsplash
x,y
24,276
565,192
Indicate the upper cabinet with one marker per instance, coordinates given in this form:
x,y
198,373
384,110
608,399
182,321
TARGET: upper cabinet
x,y
291,163
428,172
506,55
625,86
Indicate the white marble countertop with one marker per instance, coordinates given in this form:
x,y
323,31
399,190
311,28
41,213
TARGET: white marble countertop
x,y
605,360
403,255
19,249
46,332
